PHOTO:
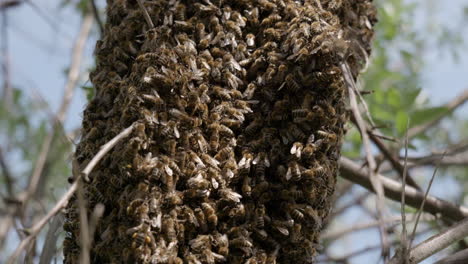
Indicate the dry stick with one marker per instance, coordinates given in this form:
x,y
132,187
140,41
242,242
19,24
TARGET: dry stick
x,y
73,75
377,185
436,243
7,175
457,154
7,88
392,220
393,161
9,3
145,14
453,149
49,247
451,106
455,258
358,200
361,251
393,189
34,231
422,204
84,227
404,234
96,16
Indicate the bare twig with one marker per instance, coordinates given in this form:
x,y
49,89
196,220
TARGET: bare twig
x,y
435,243
353,172
393,220
376,184
404,234
7,88
420,210
84,227
455,258
73,75
358,200
5,4
145,14
49,248
96,16
34,231
451,106
393,161
7,174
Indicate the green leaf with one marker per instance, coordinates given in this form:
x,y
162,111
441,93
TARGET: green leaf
x,y
394,98
401,122
427,114
89,91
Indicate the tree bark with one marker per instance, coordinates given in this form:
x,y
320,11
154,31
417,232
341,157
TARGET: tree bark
x,y
240,111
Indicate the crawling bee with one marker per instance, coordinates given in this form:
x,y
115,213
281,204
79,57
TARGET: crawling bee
x,y
210,214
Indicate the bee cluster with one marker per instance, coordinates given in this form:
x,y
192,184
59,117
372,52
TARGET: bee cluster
x,y
240,111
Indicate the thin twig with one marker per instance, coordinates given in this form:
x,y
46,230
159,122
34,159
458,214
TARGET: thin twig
x,y
7,95
353,172
420,210
7,174
376,184
145,14
451,106
34,231
5,4
50,243
73,75
358,200
84,227
404,234
96,16
392,220
393,161
435,243
455,258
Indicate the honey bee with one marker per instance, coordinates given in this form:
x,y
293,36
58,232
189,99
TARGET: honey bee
x,y
198,182
246,188
260,216
199,243
168,227
312,215
271,19
296,132
296,149
224,154
291,83
201,218
250,40
293,172
232,80
241,242
252,16
272,34
180,12
233,26
210,214
329,137
229,195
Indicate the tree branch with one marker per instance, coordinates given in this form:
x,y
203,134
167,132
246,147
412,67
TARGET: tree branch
x,y
435,243
353,172
34,231
375,181
73,75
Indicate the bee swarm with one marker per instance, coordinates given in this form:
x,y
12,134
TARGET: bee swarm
x,y
240,111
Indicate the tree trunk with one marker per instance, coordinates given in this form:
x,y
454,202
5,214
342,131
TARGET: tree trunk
x,y
240,109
